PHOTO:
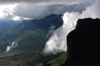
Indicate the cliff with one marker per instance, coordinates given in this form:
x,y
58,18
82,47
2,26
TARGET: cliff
x,y
84,44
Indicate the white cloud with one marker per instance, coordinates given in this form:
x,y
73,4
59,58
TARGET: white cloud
x,y
58,40
92,11
34,11
7,10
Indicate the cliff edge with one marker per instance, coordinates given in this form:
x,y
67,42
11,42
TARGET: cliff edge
x,y
84,44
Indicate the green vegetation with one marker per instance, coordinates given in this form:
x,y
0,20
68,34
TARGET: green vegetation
x,y
32,37
30,44
56,62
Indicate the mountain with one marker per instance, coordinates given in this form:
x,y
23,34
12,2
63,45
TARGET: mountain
x,y
22,44
83,44
6,24
36,29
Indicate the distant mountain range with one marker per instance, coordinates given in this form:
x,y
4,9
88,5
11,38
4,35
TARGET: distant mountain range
x,y
24,42
29,28
5,25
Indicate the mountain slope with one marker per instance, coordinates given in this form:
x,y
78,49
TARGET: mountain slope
x,y
25,41
4,24
32,29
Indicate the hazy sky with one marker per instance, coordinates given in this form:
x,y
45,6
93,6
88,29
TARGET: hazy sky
x,y
37,9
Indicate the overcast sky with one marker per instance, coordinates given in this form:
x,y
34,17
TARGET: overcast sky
x,y
37,9
47,1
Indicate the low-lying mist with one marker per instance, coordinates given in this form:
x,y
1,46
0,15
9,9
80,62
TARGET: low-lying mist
x,y
58,41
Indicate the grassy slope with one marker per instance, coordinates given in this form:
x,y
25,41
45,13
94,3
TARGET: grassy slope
x,y
29,46
32,38
57,61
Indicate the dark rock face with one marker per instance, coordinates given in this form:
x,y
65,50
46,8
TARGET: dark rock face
x,y
84,44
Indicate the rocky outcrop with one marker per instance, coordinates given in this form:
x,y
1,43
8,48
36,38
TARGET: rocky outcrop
x,y
84,44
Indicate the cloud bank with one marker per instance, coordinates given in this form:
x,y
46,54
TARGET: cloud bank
x,y
57,42
26,11
69,2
